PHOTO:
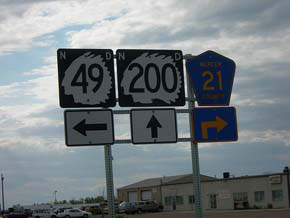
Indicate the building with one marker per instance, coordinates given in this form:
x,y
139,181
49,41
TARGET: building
x,y
228,193
151,189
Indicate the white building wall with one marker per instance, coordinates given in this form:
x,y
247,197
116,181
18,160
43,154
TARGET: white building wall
x,y
248,185
184,190
224,189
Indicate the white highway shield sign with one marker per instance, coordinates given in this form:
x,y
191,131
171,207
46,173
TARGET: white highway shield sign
x,y
153,126
150,78
86,78
88,127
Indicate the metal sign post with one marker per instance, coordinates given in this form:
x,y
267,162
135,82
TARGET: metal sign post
x,y
194,154
109,180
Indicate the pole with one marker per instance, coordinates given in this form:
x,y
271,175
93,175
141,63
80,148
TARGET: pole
x,y
55,196
194,154
109,180
2,179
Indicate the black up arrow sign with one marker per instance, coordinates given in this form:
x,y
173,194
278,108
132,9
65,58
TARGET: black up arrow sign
x,y
153,124
82,127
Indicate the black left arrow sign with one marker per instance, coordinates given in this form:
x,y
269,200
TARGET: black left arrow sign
x,y
154,124
82,127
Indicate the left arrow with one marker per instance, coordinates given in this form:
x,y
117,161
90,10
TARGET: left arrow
x,y
82,127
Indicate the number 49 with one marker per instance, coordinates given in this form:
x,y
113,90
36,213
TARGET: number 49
x,y
206,85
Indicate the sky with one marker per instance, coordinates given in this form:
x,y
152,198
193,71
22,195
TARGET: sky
x,y
33,156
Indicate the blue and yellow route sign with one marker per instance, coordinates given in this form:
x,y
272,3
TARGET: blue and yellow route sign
x,y
212,77
215,124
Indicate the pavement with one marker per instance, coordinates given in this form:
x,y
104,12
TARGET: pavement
x,y
261,213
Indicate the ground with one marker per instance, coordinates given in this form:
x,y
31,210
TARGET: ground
x,y
272,213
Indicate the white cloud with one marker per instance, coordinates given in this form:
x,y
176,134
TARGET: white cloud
x,y
266,136
252,100
31,143
25,23
233,29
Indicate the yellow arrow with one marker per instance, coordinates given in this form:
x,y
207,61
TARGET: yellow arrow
x,y
219,124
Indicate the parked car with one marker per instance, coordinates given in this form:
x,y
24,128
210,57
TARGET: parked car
x,y
128,207
74,212
106,209
43,213
139,207
95,209
61,210
12,213
149,206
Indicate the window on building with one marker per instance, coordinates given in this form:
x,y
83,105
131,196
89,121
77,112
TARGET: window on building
x,y
179,200
277,195
191,199
168,200
259,196
240,196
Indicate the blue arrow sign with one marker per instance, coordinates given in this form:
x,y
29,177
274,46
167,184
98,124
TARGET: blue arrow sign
x,y
212,77
215,124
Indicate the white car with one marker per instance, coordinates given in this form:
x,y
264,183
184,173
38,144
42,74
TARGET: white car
x,y
43,213
74,212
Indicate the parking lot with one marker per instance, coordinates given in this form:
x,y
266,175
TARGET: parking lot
x,y
273,213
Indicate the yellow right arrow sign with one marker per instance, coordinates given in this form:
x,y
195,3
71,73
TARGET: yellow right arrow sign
x,y
219,124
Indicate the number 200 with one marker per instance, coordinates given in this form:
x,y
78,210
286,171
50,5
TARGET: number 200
x,y
160,78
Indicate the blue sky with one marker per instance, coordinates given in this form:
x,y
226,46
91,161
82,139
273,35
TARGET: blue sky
x,y
33,155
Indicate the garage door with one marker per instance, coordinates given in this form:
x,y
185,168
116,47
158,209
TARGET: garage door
x,y
146,195
132,196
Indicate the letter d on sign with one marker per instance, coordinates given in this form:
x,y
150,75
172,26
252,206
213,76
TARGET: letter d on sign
x,y
108,55
177,56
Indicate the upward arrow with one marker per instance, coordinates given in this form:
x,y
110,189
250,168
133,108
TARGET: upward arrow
x,y
154,124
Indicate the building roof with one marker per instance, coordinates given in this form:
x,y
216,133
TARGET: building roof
x,y
164,181
248,177
188,179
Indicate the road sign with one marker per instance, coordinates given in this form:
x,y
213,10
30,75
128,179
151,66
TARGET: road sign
x,y
88,127
153,126
215,124
86,78
150,78
212,76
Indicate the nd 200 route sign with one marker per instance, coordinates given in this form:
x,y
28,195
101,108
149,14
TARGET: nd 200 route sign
x,y
86,78
212,77
215,124
150,78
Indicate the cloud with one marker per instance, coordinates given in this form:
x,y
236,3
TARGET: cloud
x,y
24,23
267,136
255,34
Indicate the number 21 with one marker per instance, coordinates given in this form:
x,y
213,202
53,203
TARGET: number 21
x,y
206,85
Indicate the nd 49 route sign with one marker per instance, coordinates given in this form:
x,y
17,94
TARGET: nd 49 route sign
x,y
86,78
215,124
212,77
150,78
